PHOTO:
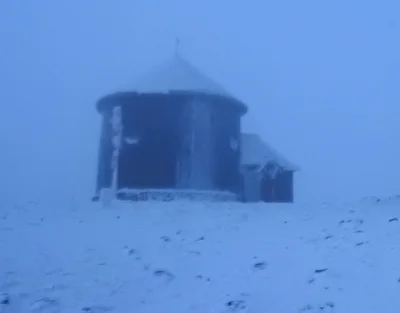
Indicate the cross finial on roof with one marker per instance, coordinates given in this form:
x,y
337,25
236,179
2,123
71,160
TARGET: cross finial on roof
x,y
177,43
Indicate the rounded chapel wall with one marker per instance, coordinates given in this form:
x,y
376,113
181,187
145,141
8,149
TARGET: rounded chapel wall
x,y
179,141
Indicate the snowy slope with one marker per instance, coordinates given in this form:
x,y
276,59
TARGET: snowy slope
x,y
199,258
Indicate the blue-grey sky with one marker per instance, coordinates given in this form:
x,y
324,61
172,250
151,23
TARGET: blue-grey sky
x,y
321,79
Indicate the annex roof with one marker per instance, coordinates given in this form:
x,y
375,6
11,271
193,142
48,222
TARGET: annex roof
x,y
256,152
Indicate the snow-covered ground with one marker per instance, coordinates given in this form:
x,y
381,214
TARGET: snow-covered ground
x,y
199,258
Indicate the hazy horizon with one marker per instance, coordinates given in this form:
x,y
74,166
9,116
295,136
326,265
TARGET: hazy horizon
x,y
320,79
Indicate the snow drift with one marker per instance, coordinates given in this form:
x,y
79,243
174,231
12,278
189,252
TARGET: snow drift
x,y
188,257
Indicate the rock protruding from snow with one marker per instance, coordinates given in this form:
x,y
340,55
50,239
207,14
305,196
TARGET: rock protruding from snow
x,y
4,299
373,200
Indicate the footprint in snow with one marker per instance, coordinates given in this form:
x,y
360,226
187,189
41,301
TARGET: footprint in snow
x,y
164,274
236,305
327,307
320,270
96,309
46,305
260,265
166,239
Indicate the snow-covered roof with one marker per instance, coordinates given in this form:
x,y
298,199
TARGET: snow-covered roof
x,y
177,74
257,152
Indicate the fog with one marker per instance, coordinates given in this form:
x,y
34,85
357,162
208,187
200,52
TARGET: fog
x,y
321,79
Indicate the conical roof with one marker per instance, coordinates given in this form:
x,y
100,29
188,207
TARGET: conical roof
x,y
178,75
